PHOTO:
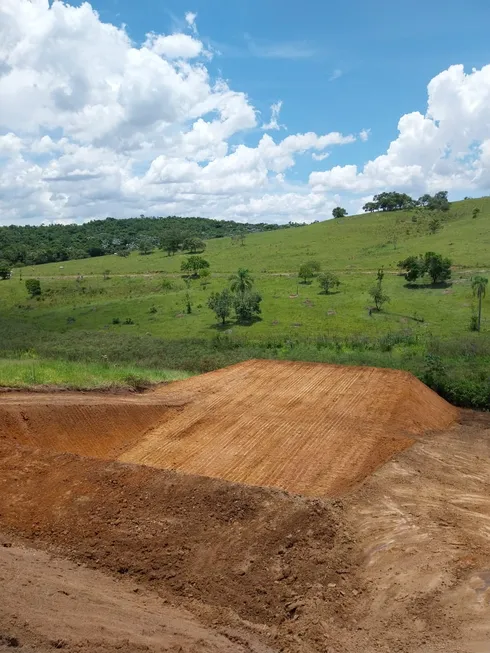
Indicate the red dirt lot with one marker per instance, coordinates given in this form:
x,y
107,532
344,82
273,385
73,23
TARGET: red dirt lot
x,y
102,555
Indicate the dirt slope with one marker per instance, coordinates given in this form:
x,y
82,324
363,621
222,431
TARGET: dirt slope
x,y
308,428
90,424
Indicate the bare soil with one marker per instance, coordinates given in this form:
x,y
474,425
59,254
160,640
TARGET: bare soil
x,y
109,556
307,428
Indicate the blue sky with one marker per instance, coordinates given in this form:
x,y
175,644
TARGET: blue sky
x,y
373,96
385,52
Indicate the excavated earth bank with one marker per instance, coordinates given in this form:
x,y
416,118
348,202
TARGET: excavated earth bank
x,y
308,428
104,555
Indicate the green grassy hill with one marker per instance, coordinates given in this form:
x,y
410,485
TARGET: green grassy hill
x,y
143,300
362,242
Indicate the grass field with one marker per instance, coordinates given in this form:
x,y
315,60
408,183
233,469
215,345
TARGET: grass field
x,y
142,303
28,373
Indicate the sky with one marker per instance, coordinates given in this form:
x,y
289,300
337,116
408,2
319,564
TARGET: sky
x,y
248,110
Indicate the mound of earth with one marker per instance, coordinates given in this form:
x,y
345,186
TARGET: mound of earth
x,y
307,428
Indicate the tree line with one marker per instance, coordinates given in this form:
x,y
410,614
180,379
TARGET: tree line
x,y
393,201
34,245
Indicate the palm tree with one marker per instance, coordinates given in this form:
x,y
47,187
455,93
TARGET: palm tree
x,y
241,281
479,285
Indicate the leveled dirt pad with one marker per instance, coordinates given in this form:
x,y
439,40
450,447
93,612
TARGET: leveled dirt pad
x,y
308,428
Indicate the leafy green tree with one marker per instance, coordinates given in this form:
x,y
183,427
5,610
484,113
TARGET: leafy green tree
x,y
221,303
389,202
33,287
328,281
193,245
377,294
339,212
205,274
475,213
437,202
247,306
424,200
379,297
171,242
437,267
434,225
193,265
145,246
479,285
241,282
308,270
414,268
5,270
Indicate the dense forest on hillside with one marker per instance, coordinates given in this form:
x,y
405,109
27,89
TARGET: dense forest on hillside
x,y
33,245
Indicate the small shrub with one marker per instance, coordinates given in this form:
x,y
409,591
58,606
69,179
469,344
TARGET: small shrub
x,y
5,270
128,320
153,310
33,287
137,383
434,374
116,320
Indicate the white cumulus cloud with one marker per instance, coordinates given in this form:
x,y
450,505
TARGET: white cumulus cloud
x,y
92,124
445,148
175,46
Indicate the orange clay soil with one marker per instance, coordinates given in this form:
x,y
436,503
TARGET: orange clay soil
x,y
143,559
308,428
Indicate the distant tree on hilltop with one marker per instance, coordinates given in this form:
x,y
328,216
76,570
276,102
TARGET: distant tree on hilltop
x,y
193,245
5,270
339,212
393,201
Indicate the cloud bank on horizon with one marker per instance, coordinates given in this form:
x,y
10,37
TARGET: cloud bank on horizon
x,y
92,125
